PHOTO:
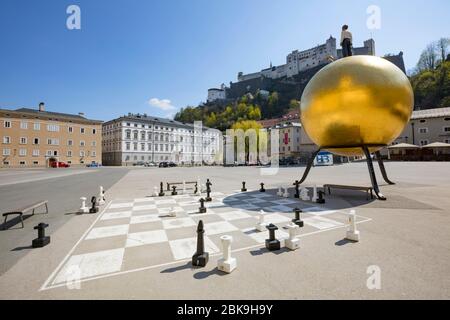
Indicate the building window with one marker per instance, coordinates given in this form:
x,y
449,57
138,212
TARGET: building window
x,y
135,146
53,142
36,141
53,127
94,154
36,126
22,152
6,152
70,142
135,135
55,153
22,163
70,129
142,135
23,140
128,134
49,153
94,144
142,146
69,153
82,143
423,130
35,153
7,124
6,140
94,131
82,131
23,125
35,163
81,153
446,129
423,142
127,146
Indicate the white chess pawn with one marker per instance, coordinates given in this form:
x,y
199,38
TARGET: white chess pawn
x,y
286,192
227,263
83,208
101,196
314,197
261,225
280,192
352,233
293,243
172,212
304,194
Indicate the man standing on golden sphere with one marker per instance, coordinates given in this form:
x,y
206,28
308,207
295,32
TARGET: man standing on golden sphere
x,y
346,41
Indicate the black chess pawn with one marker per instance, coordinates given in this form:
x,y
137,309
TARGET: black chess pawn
x,y
262,188
297,220
41,240
244,189
174,190
202,208
272,243
321,198
200,258
94,208
297,189
161,190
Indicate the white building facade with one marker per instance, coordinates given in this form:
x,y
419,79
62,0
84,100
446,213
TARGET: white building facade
x,y
140,138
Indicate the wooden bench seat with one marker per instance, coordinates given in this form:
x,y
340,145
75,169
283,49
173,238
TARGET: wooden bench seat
x,y
21,211
178,183
369,190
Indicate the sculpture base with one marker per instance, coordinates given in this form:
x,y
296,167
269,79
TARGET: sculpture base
x,y
40,242
293,244
353,236
273,245
227,266
200,260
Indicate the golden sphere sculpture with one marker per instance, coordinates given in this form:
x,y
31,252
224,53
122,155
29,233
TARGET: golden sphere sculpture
x,y
358,100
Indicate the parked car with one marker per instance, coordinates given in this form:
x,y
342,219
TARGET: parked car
x,y
172,164
139,163
163,165
150,164
59,164
93,165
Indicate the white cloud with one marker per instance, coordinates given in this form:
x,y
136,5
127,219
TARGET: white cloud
x,y
163,104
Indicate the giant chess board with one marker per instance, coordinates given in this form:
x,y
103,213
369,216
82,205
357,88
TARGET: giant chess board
x,y
140,234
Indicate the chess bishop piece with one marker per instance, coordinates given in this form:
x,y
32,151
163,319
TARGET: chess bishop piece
x,y
352,232
200,258
293,243
227,264
41,240
83,208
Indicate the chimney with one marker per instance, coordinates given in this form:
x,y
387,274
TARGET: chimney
x,y
41,107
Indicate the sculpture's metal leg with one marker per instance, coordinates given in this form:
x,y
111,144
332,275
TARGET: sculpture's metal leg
x,y
373,178
382,168
308,167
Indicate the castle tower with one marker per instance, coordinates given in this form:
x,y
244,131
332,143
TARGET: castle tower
x,y
370,46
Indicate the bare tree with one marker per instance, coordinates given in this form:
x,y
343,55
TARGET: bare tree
x,y
442,45
428,58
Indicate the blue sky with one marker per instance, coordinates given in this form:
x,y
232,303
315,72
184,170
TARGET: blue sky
x,y
155,57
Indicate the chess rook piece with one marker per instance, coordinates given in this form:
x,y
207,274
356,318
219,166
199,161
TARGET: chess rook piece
x,y
202,208
272,244
280,192
244,189
200,258
227,264
174,190
293,243
83,208
262,188
352,232
321,198
41,240
297,191
94,208
261,225
161,190
101,196
298,219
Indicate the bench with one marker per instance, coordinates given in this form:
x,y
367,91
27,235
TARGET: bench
x,y
21,211
169,184
369,190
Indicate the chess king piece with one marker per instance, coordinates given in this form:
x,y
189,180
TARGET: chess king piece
x,y
293,243
304,194
202,208
161,189
94,208
298,219
272,244
280,192
200,258
321,198
83,208
261,225
297,191
244,189
174,190
227,264
41,240
286,192
352,232
262,187
101,196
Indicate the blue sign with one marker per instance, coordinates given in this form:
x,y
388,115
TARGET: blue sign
x,y
324,158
